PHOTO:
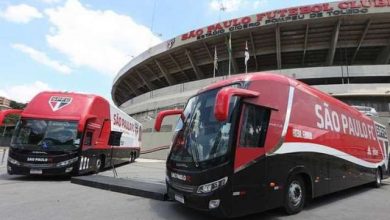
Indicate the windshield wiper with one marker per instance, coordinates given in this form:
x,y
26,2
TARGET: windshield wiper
x,y
193,144
195,154
216,143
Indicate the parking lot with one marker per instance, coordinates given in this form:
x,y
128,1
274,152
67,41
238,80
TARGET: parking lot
x,y
55,197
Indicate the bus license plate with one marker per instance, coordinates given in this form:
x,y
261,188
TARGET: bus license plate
x,y
179,198
35,171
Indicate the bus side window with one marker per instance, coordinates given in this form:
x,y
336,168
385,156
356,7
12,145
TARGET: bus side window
x,y
88,138
254,126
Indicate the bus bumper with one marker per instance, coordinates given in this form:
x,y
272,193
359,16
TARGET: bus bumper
x,y
13,169
214,203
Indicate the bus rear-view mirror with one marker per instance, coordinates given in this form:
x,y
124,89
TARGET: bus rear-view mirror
x,y
221,106
161,115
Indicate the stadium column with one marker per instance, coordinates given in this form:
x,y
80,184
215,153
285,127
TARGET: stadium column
x,y
121,94
305,44
165,73
152,72
361,40
278,47
146,82
121,99
254,50
333,44
131,88
178,66
198,72
208,52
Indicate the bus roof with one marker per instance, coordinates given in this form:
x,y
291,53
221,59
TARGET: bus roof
x,y
60,105
269,76
280,79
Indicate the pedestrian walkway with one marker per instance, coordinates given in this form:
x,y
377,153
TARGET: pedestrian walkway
x,y
149,170
145,178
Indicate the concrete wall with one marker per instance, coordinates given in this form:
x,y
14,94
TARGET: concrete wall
x,y
154,139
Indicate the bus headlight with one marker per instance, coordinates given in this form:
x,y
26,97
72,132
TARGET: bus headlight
x,y
67,162
209,187
213,204
13,161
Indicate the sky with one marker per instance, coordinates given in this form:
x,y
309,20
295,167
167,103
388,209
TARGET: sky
x,y
80,45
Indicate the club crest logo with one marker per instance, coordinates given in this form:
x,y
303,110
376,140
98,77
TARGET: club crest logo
x,y
170,43
57,102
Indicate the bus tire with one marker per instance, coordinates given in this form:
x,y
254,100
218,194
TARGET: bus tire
x,y
295,195
99,165
378,178
132,156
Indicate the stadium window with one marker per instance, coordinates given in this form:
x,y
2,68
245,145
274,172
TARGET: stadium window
x,y
166,128
147,130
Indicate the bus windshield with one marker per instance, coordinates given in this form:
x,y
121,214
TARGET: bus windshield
x,y
45,135
201,138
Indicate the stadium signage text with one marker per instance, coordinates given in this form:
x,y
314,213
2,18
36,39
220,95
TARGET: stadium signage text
x,y
286,15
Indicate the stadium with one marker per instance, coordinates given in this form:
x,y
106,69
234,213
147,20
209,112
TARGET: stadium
x,y
342,48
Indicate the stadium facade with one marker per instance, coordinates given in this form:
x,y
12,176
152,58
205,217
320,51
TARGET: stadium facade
x,y
342,48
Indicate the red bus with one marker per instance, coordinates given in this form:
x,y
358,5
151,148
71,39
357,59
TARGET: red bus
x,y
261,141
71,133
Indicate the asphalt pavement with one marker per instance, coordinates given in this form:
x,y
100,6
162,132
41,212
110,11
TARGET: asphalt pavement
x,y
36,197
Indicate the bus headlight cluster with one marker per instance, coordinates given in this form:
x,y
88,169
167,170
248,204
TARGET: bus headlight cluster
x,y
209,187
67,162
13,161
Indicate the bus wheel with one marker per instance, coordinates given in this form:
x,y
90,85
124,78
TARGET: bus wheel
x,y
295,195
378,178
99,164
132,156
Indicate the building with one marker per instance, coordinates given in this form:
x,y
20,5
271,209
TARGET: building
x,y
4,103
342,48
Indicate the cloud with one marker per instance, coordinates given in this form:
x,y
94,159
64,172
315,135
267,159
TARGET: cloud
x,y
51,1
24,93
235,5
20,13
260,4
101,40
42,58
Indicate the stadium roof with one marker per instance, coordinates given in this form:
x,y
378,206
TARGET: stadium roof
x,y
326,34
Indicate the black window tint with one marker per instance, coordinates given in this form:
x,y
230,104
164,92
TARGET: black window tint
x,y
254,126
88,138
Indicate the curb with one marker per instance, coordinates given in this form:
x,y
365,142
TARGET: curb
x,y
127,186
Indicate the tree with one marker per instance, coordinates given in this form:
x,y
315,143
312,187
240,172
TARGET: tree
x,y
11,120
17,105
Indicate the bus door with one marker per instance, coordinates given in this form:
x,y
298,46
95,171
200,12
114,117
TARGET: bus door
x,y
249,179
92,148
88,143
115,142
